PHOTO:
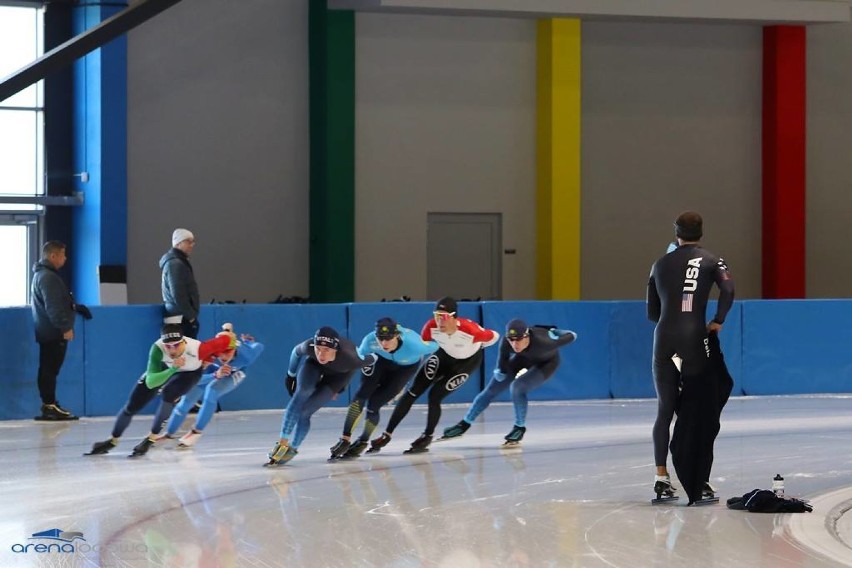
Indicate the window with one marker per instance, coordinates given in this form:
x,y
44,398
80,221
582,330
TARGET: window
x,y
21,151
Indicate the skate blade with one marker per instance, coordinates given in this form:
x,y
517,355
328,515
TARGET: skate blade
x,y
411,451
95,453
508,444
706,501
663,500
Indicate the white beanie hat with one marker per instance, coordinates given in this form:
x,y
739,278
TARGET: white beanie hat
x,y
180,235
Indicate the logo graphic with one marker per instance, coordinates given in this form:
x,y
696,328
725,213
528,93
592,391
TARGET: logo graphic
x,y
430,368
457,381
58,541
690,283
60,535
368,369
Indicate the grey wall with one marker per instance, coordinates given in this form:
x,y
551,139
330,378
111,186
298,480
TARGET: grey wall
x,y
218,133
445,122
671,121
829,174
445,116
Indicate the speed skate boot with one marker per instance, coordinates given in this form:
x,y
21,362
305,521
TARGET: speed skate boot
x,y
664,490
142,447
455,431
276,454
420,445
377,444
99,448
356,449
189,439
514,437
708,495
339,449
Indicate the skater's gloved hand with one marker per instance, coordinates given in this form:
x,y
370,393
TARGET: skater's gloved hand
x,y
557,333
223,371
83,311
290,383
499,376
178,362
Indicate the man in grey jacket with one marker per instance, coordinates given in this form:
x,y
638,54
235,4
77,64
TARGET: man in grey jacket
x,y
180,291
53,314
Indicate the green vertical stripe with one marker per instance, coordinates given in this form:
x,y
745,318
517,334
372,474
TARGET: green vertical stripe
x,y
332,124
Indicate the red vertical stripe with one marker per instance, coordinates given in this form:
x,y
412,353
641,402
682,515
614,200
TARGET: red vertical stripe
x,y
784,51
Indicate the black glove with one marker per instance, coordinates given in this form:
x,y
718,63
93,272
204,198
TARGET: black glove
x,y
290,383
83,311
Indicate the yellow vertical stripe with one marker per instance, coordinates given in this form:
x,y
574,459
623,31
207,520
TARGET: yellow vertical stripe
x,y
558,160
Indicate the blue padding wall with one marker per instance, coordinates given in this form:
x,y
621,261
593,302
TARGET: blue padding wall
x,y
797,346
19,368
280,327
772,347
631,342
585,368
116,354
362,320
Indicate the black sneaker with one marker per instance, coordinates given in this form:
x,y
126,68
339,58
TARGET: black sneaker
x,y
142,448
420,445
515,436
339,449
99,448
377,444
55,412
356,449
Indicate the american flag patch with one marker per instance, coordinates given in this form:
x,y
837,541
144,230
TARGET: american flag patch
x,y
686,303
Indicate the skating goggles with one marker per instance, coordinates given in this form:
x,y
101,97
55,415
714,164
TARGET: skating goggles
x,y
515,338
443,316
173,345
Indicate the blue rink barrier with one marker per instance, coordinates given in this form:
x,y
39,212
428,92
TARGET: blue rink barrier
x,y
18,370
797,346
585,364
771,347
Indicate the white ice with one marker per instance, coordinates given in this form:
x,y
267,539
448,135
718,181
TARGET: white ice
x,y
576,494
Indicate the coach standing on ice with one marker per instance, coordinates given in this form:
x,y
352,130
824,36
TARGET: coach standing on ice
x,y
678,289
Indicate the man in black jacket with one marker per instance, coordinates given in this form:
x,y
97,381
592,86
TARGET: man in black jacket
x,y
53,315
180,291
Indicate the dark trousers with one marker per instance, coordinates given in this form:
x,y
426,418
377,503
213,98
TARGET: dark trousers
x,y
190,329
178,385
51,355
440,373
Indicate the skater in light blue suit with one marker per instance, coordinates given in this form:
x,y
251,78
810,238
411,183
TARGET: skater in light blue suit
x,y
219,379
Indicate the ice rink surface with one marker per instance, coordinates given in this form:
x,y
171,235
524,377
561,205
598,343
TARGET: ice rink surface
x,y
576,494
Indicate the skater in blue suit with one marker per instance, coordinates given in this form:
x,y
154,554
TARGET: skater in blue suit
x,y
400,351
219,379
